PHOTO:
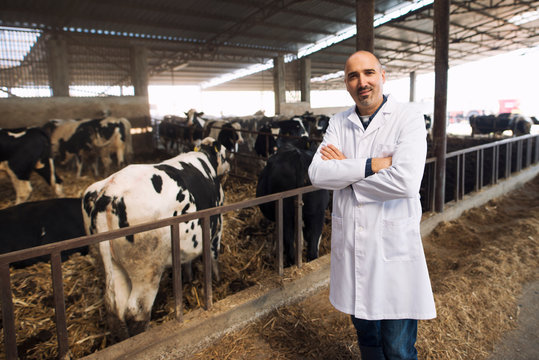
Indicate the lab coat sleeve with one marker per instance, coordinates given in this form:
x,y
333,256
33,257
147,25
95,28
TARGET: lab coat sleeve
x,y
335,174
403,178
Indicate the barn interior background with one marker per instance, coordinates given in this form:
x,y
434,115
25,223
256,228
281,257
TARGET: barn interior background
x,y
80,59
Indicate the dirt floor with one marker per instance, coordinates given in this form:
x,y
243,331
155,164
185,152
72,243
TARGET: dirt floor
x,y
478,265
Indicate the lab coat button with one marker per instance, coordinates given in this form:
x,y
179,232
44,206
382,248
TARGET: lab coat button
x,y
360,228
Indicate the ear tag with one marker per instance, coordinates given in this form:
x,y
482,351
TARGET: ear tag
x,y
216,149
197,148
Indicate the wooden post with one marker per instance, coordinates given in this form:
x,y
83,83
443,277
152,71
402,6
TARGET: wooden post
x,y
365,25
441,66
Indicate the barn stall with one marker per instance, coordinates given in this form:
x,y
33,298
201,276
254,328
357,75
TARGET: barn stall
x,y
167,62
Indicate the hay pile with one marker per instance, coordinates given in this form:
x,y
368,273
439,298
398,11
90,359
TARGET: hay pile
x,y
247,256
477,264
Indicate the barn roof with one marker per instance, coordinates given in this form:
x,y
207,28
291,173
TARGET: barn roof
x,y
191,42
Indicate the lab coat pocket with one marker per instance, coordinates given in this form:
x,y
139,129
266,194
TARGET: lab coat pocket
x,y
337,237
384,150
401,239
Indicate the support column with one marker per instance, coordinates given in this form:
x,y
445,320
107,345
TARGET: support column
x,y
441,66
412,86
139,70
305,80
58,65
278,83
365,25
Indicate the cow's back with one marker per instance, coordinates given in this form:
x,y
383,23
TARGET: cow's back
x,y
41,222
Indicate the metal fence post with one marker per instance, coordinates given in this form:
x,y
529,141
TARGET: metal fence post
x,y
207,261
298,228
8,314
59,304
176,271
279,235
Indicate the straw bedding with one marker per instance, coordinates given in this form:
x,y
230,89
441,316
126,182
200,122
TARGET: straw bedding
x,y
477,265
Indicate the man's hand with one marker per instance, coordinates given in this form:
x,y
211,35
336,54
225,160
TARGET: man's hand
x,y
378,164
330,152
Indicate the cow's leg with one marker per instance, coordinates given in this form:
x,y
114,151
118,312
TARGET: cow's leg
x,y
23,188
314,210
188,271
117,289
288,231
312,232
78,162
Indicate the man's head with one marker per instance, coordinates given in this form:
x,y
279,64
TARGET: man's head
x,y
364,79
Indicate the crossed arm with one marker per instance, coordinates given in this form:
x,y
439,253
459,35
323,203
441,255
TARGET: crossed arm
x,y
330,152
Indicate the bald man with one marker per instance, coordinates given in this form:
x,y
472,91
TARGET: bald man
x,y
373,157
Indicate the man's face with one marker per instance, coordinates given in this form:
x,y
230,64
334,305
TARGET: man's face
x,y
364,79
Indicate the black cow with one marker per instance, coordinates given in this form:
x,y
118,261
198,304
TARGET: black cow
x,y
486,124
286,170
265,144
25,150
172,130
38,223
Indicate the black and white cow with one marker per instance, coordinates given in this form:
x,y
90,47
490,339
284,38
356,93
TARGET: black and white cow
x,y
82,139
290,130
286,170
38,223
141,193
25,150
227,133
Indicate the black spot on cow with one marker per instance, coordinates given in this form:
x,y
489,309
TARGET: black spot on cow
x,y
118,208
203,190
185,208
192,226
180,197
157,182
175,213
195,242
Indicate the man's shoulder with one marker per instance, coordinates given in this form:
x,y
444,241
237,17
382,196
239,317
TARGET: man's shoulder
x,y
345,113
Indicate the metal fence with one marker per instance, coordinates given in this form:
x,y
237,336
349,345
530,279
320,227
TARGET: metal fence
x,y
526,154
93,70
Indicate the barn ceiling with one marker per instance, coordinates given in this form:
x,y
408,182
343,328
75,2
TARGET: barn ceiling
x,y
191,42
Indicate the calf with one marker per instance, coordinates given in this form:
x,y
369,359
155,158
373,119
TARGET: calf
x,y
38,223
25,150
80,139
286,170
141,193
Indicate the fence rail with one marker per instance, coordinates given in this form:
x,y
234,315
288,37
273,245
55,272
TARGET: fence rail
x,y
523,159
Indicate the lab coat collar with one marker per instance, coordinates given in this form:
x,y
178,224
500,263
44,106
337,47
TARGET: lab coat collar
x,y
378,120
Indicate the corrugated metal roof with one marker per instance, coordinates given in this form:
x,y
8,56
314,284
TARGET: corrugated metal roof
x,y
193,41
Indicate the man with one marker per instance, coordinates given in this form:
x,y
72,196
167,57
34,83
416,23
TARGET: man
x,y
373,157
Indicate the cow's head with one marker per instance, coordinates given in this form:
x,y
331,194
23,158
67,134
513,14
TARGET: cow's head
x,y
217,154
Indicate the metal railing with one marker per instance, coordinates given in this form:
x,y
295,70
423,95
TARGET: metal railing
x,y
523,159
461,163
55,249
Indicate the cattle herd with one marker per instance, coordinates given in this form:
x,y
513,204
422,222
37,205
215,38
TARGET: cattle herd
x,y
201,150
189,181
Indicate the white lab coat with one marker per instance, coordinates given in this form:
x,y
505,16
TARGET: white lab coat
x,y
378,267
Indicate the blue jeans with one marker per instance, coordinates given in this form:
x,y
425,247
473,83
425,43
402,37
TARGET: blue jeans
x,y
386,339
